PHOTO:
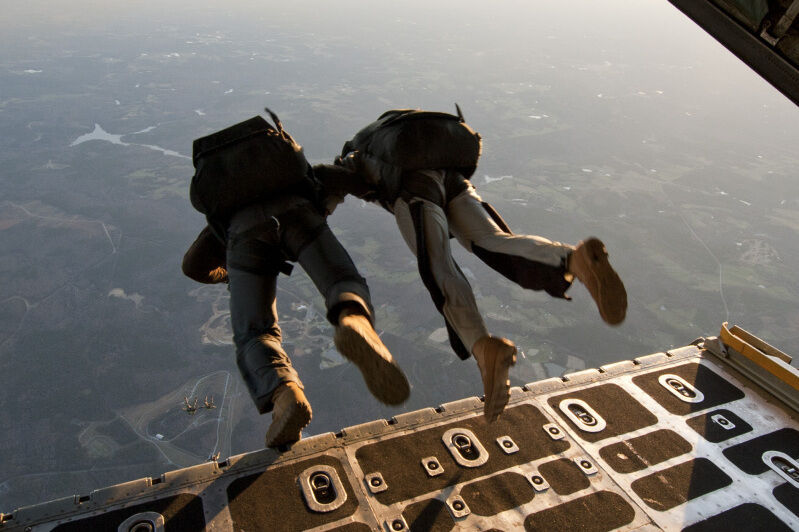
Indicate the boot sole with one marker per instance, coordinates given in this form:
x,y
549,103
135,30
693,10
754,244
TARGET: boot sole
x,y
288,429
384,378
499,394
604,284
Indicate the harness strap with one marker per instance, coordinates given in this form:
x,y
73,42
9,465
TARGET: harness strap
x,y
418,185
460,113
454,184
492,212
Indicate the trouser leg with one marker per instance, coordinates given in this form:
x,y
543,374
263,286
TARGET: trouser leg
x,y
260,357
459,306
530,261
332,271
334,274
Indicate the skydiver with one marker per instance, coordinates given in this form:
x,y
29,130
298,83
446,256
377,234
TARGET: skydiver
x,y
190,408
417,165
250,237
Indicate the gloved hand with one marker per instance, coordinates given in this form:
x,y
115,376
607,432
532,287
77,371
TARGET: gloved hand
x,y
205,259
352,161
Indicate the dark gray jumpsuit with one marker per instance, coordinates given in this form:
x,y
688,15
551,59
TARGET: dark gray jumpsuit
x,y
260,238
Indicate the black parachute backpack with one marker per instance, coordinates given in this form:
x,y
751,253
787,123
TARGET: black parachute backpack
x,y
411,139
246,163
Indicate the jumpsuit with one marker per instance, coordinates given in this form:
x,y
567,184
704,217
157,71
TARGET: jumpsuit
x,y
531,261
433,205
260,238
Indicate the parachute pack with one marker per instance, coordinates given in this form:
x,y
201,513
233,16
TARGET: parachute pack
x,y
246,163
409,139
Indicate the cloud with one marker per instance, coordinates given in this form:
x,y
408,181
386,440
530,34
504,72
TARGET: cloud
x,y
120,293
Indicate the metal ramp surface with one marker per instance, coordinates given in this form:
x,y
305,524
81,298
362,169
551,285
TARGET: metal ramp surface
x,y
704,437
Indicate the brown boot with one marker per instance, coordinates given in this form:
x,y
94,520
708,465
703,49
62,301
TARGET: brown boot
x,y
494,357
291,413
356,339
589,263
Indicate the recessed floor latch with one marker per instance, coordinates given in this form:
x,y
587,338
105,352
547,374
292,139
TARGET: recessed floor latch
x,y
322,488
457,507
681,388
396,524
553,431
465,448
507,445
375,482
586,465
432,466
722,422
582,415
538,482
143,522
784,465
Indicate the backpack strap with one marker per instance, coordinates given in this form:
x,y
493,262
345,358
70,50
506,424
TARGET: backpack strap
x,y
460,113
275,120
279,126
